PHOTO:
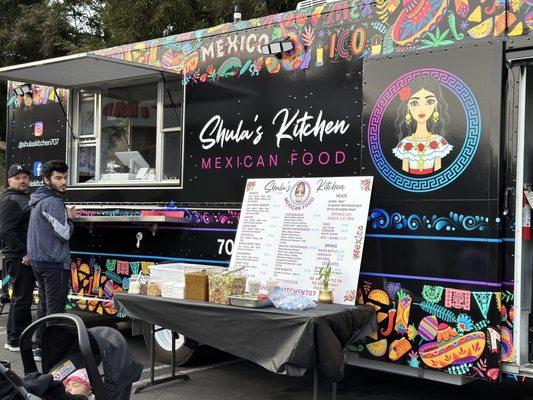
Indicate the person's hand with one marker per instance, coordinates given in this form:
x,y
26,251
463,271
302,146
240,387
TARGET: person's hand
x,y
26,260
71,212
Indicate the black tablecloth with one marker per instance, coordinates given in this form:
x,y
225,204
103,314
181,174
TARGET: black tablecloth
x,y
285,342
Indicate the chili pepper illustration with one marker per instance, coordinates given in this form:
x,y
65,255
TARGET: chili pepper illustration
x,y
388,331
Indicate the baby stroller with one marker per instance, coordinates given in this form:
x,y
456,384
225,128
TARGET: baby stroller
x,y
102,351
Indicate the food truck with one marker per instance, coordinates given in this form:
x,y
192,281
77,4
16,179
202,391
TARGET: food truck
x,y
430,97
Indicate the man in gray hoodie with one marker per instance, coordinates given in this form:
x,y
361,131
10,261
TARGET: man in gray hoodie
x,y
49,233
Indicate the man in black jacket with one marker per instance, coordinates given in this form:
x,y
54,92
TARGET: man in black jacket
x,y
14,219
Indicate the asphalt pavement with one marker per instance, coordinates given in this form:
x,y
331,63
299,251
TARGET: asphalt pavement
x,y
223,377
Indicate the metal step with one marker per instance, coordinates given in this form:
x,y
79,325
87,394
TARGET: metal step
x,y
354,360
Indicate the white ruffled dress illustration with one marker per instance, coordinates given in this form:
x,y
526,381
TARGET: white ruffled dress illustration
x,y
422,152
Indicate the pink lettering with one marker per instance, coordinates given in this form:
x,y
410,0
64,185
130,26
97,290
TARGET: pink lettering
x,y
321,158
309,157
293,158
206,163
247,161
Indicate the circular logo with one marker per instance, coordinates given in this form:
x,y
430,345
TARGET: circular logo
x,y
300,193
426,179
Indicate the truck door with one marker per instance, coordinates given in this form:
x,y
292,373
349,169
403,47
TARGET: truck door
x,y
431,138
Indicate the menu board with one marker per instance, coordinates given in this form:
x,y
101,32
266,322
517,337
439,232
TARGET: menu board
x,y
290,228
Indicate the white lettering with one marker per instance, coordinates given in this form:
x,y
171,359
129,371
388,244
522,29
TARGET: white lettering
x,y
288,126
215,127
38,143
304,126
220,48
210,141
250,47
285,124
232,44
263,39
208,51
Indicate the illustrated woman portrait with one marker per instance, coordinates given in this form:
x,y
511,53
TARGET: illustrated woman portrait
x,y
299,192
421,125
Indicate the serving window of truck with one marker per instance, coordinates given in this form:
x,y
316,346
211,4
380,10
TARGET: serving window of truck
x,y
128,135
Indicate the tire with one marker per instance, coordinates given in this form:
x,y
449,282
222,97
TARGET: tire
x,y
163,346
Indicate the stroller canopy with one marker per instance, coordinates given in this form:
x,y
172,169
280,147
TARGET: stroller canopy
x,y
120,368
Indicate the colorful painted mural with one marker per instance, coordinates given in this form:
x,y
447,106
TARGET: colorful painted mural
x,y
437,327
100,278
41,95
330,33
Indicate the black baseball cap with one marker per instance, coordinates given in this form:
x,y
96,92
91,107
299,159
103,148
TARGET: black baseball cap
x,y
15,169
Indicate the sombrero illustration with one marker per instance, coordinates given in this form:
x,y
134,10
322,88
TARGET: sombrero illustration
x,y
416,18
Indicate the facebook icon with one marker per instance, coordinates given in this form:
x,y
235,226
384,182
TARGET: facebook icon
x,y
37,168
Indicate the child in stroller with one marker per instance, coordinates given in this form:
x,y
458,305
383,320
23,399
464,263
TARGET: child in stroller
x,y
67,349
78,383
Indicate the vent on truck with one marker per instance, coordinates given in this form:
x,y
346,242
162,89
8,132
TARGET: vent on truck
x,y
312,3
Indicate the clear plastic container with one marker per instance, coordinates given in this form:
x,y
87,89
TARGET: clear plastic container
x,y
254,286
135,287
174,290
175,271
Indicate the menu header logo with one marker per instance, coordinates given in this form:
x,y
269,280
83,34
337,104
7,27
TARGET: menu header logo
x,y
299,196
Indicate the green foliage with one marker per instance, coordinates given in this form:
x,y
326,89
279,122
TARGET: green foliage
x,y
128,21
133,21
32,30
436,39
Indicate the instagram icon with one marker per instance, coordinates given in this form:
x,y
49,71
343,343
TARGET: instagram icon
x,y
38,130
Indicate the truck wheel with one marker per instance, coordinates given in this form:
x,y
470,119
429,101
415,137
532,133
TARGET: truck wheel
x,y
163,346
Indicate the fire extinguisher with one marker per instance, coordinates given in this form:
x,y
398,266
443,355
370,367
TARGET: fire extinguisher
x,y
526,216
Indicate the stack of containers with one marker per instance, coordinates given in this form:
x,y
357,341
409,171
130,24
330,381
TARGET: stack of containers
x,y
171,277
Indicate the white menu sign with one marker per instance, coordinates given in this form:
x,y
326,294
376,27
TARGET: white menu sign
x,y
289,228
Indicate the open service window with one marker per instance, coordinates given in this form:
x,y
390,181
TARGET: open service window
x,y
127,118
129,134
